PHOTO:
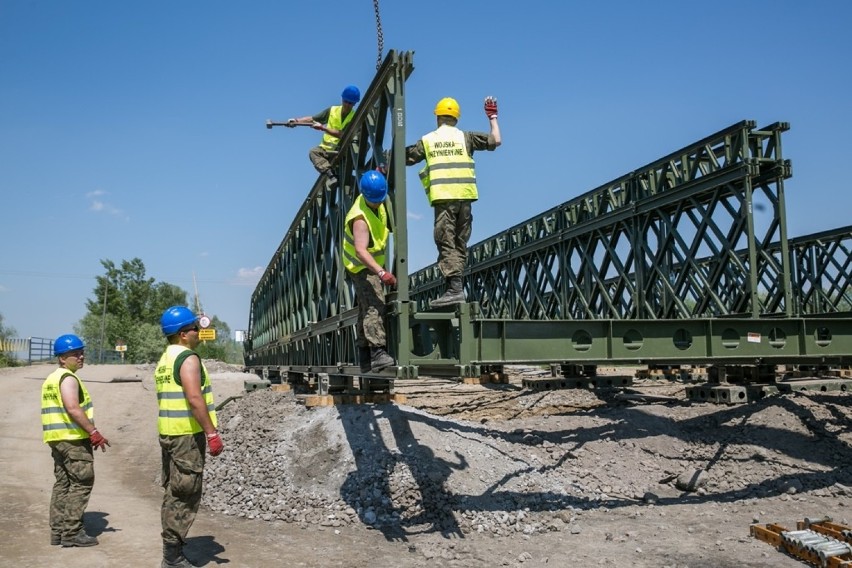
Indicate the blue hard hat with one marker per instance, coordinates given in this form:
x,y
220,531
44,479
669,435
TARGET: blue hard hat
x,y
66,343
374,186
351,94
176,318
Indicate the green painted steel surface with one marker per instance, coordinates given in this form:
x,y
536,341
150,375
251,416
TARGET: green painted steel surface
x,y
301,312
684,260
631,248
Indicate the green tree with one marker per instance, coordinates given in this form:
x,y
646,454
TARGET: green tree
x,y
126,302
126,307
6,333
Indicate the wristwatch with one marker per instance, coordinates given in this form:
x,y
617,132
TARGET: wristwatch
x,y
381,273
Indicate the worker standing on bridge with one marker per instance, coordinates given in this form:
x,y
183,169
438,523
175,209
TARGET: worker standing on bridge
x,y
365,240
331,122
450,182
68,427
187,426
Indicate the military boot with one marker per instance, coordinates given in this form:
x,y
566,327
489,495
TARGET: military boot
x,y
365,359
453,295
379,359
173,557
79,539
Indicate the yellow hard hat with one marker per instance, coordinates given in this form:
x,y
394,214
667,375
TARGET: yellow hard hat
x,y
448,107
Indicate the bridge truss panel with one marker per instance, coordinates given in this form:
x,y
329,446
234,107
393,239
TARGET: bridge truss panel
x,y
628,249
302,310
683,260
822,272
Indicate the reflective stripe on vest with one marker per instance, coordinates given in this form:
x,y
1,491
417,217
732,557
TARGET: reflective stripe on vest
x,y
377,224
336,122
56,423
450,173
175,416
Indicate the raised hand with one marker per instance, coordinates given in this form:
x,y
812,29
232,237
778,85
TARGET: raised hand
x,y
491,107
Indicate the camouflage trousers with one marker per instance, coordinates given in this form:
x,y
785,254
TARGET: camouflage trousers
x,y
74,469
453,225
370,327
321,158
183,471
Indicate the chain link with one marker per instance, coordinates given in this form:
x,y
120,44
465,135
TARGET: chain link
x,y
379,36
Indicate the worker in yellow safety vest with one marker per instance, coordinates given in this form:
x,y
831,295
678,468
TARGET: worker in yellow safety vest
x,y
449,178
68,427
365,240
331,121
187,424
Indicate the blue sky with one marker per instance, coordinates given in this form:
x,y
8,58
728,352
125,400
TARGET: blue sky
x,y
136,129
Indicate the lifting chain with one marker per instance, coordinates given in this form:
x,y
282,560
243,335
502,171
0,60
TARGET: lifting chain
x,y
379,36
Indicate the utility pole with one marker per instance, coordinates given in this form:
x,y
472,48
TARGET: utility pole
x,y
103,320
197,299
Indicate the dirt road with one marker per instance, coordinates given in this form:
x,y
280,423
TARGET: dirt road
x,y
777,461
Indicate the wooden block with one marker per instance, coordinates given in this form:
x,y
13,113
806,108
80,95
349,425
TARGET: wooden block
x,y
281,388
318,400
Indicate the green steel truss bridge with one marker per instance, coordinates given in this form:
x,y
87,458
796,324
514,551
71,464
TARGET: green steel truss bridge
x,y
684,260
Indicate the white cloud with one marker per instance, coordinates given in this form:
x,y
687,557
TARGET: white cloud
x,y
204,254
414,216
3,288
99,206
248,276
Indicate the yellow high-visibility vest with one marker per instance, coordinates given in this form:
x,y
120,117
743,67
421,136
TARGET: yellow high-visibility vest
x,y
56,423
450,173
337,122
377,223
175,417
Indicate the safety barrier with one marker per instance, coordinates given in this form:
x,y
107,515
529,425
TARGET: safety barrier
x,y
29,350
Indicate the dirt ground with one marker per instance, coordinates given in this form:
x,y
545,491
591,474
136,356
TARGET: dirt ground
x,y
598,476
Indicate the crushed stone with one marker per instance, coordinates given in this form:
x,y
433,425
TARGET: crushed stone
x,y
504,461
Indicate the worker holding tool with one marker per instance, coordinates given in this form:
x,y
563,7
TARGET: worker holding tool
x,y
331,122
68,427
364,243
187,426
449,178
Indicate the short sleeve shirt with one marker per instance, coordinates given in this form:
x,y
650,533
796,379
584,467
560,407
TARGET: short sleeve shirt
x,y
322,116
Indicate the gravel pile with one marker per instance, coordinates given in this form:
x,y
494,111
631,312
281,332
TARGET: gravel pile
x,y
394,466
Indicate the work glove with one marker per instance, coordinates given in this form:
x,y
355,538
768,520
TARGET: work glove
x,y
491,107
214,444
387,278
98,441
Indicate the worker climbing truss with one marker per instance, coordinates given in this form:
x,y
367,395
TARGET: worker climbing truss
x,y
302,309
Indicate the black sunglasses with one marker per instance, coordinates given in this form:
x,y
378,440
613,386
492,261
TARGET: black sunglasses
x,y
188,329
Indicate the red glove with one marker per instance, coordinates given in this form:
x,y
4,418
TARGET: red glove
x,y
98,441
214,444
387,278
491,107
